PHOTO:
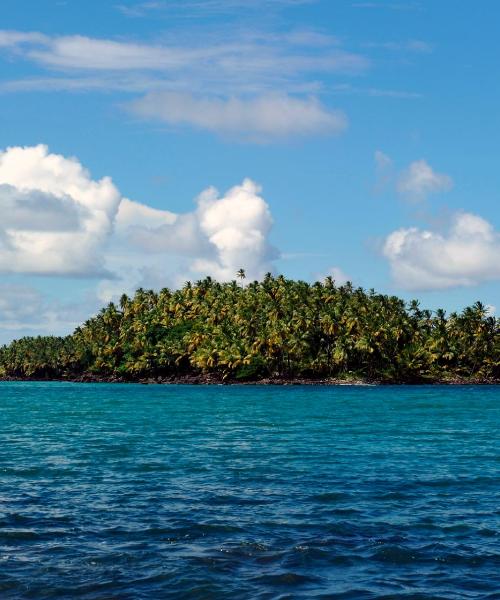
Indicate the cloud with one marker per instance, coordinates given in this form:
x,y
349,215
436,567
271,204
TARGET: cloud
x,y
251,83
466,255
239,55
134,214
223,234
10,39
80,52
419,180
57,221
237,226
415,183
55,218
52,213
255,119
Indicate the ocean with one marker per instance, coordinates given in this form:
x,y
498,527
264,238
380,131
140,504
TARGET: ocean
x,y
211,492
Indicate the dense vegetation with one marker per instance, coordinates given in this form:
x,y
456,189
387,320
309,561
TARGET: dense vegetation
x,y
274,328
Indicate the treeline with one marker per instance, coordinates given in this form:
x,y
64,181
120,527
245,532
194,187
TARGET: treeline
x,y
273,328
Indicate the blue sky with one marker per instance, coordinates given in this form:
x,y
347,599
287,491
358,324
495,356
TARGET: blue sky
x,y
347,137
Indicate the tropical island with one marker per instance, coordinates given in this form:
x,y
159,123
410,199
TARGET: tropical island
x,y
274,331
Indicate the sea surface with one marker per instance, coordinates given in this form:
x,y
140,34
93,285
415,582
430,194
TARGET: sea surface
x,y
213,492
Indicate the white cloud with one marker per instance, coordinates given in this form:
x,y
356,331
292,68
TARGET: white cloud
x,y
256,119
10,39
80,52
56,219
134,214
419,180
240,55
251,81
223,234
237,226
468,254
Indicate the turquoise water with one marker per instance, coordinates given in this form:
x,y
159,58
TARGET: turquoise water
x,y
130,491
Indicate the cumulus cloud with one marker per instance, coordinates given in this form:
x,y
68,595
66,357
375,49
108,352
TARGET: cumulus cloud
x,y
58,221
134,214
260,118
420,180
52,213
55,218
237,226
467,254
223,234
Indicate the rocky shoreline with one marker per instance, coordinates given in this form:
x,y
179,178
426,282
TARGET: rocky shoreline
x,y
210,379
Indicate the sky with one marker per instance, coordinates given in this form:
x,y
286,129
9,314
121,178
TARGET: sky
x,y
146,143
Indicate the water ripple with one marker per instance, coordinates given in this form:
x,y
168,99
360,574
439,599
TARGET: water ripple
x,y
124,491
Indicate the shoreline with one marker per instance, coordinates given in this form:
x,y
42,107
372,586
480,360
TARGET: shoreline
x,y
205,379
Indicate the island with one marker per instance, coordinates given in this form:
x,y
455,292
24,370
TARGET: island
x,y
276,330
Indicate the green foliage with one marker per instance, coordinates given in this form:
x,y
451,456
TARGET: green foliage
x,y
277,327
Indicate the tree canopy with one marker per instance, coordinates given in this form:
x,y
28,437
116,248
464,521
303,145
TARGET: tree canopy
x,y
274,328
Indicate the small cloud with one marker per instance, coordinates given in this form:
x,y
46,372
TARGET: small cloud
x,y
428,260
419,180
258,119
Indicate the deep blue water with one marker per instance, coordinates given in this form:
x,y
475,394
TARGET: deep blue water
x,y
130,491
